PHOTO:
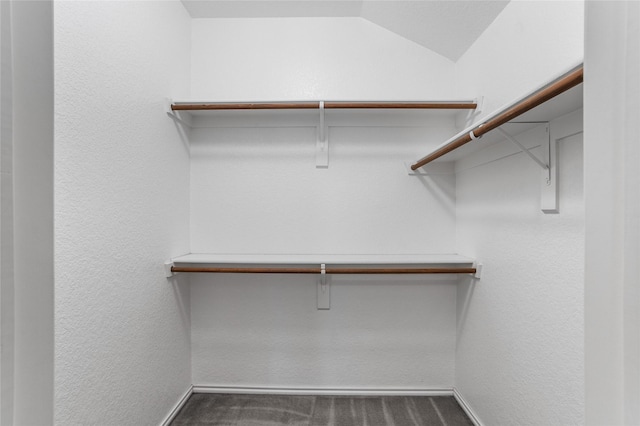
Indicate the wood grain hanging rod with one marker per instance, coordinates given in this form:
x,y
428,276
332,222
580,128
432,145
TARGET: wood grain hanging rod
x,y
552,90
221,106
317,270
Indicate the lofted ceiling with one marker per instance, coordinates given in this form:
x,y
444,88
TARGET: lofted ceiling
x,y
447,27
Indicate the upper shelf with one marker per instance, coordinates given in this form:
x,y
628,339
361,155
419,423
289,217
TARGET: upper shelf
x,y
560,96
226,106
306,113
332,259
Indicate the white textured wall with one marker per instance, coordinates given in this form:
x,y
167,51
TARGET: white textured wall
x,y
258,191
381,333
528,44
312,58
255,189
122,351
520,353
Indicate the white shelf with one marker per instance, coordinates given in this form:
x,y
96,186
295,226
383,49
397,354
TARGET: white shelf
x,y
306,113
207,105
563,104
324,264
328,259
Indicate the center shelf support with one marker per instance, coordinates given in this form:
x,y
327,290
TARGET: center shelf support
x,y
322,142
324,289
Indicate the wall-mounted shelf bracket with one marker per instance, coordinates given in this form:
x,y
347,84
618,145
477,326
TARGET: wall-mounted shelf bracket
x,y
167,269
184,120
541,163
549,168
478,267
322,142
324,289
549,177
431,169
466,120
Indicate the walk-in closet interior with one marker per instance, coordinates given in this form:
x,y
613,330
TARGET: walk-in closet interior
x,y
319,199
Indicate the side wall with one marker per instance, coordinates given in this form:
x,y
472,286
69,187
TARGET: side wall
x,y
520,353
255,189
122,345
520,329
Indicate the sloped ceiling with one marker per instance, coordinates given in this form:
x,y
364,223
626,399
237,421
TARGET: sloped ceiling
x,y
448,27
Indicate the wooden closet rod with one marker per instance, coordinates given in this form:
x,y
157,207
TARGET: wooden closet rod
x,y
552,90
401,105
317,270
401,270
246,270
316,105
240,106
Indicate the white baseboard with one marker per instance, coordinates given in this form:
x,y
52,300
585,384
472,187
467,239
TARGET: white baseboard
x,y
467,409
174,412
322,391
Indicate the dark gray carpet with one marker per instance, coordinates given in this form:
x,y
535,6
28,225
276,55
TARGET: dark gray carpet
x,y
278,410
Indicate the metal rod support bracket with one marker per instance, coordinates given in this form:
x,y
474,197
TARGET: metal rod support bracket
x,y
543,164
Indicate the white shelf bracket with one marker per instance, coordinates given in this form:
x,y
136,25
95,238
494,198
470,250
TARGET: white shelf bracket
x,y
324,289
541,163
167,269
431,169
478,266
479,105
322,142
549,166
184,121
467,119
549,177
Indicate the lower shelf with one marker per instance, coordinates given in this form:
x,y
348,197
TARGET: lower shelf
x,y
323,264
